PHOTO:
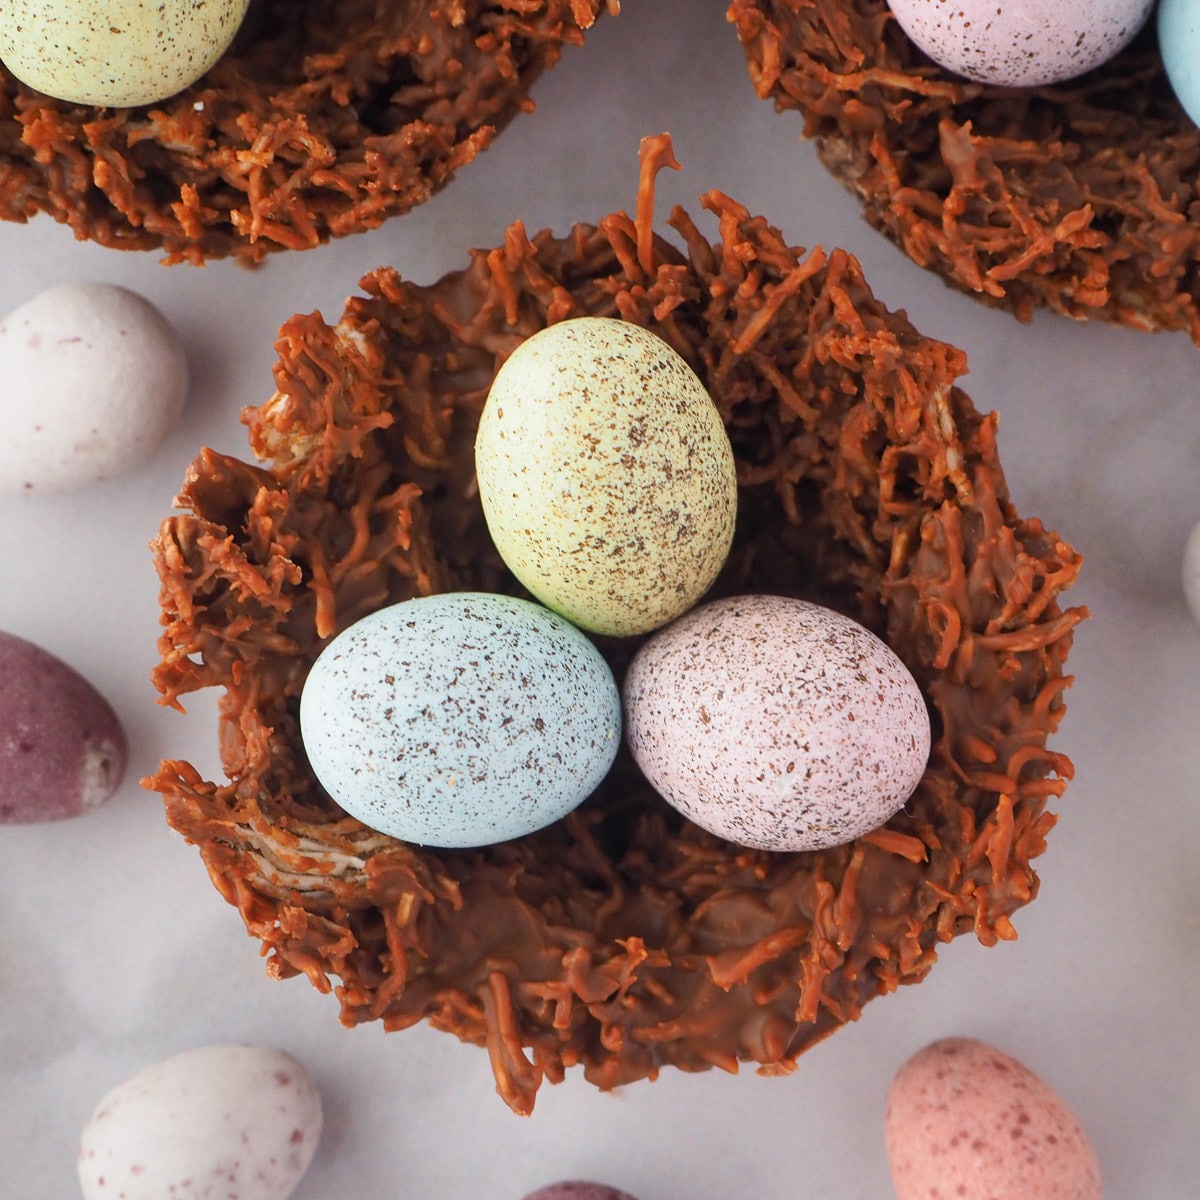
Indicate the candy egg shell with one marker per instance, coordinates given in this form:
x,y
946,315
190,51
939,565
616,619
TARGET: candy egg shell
x,y
776,723
62,748
220,1120
461,719
91,379
1179,42
1022,44
606,475
965,1122
115,52
578,1190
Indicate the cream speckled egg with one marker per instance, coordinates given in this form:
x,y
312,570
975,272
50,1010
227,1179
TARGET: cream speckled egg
x,y
460,719
92,377
1021,43
606,475
223,1120
965,1122
119,53
775,723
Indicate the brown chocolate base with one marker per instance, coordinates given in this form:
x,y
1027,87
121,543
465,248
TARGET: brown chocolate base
x,y
623,938
1081,197
324,118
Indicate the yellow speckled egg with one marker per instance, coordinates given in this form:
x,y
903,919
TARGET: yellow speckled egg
x,y
119,53
606,475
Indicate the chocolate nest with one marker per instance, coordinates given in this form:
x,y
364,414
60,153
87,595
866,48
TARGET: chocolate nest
x,y
1081,196
623,938
324,118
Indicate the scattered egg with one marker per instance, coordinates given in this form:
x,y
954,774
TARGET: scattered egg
x,y
776,723
965,1122
92,377
1179,42
578,1190
62,748
225,1120
1028,44
115,52
606,475
1191,571
460,719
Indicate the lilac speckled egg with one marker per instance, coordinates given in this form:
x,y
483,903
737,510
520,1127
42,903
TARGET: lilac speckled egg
x,y
776,723
235,1122
578,1190
62,748
966,1122
461,719
1021,43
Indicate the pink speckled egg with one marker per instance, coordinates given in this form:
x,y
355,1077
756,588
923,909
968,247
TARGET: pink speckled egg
x,y
578,1190
222,1122
965,1122
776,723
1021,43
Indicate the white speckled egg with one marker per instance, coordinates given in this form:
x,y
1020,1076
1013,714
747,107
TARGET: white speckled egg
x,y
460,719
606,475
92,377
776,723
965,1122
1021,43
236,1121
119,53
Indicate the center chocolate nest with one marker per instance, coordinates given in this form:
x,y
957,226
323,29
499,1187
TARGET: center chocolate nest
x,y
622,938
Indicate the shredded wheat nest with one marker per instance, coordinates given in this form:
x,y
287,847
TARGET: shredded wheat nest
x,y
623,938
1081,196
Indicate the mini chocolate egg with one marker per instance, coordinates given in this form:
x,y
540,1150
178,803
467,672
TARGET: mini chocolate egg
x,y
62,748
965,1122
578,1190
220,1120
1028,44
460,719
92,377
606,475
1179,43
115,52
776,723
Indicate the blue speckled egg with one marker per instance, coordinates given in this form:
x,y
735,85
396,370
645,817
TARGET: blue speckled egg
x,y
461,719
1179,41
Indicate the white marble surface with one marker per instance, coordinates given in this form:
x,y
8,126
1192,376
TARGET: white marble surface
x,y
115,950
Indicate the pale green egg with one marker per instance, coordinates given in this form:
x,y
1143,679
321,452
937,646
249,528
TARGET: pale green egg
x,y
606,475
119,53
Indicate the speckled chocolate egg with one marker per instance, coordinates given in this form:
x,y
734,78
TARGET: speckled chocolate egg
x,y
775,723
460,719
92,378
62,748
119,53
966,1122
1027,44
224,1120
606,475
578,1190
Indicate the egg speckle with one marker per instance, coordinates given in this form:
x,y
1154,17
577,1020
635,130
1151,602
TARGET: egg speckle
x,y
606,475
965,1122
460,719
92,378
119,53
1027,44
241,1122
776,723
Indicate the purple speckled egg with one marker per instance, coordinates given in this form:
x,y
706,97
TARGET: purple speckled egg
x,y
578,1190
62,749
776,723
1021,43
965,1122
